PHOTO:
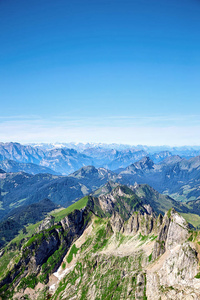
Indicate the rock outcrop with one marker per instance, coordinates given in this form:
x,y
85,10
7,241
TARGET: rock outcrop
x,y
46,224
174,231
172,275
138,222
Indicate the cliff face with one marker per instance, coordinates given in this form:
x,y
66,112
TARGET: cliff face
x,y
138,222
174,231
49,241
172,276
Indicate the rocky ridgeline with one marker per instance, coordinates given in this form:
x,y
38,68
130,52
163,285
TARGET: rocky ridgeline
x,y
168,272
124,252
143,223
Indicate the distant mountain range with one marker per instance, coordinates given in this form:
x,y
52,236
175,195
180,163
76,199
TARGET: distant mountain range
x,y
13,166
56,161
174,176
30,174
63,159
181,150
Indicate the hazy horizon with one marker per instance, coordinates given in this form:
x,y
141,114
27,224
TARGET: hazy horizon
x,y
101,144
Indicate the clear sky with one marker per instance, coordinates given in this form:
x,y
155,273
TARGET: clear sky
x,y
100,71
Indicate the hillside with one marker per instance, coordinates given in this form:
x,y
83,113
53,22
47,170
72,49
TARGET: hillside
x,y
19,189
21,217
107,247
174,176
11,166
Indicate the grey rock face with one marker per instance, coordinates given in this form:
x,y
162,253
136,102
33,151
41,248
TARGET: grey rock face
x,y
143,223
116,222
46,242
74,222
172,276
140,285
45,249
46,224
174,231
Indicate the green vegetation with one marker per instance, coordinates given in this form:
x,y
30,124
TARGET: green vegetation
x,y
100,239
197,276
102,234
29,281
36,237
144,238
59,215
73,251
122,238
31,214
87,243
169,213
106,274
6,259
94,206
144,293
23,236
178,197
64,265
150,257
193,236
192,219
99,221
6,294
127,203
112,276
52,262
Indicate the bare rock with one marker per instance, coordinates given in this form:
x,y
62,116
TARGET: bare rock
x,y
140,286
174,231
46,224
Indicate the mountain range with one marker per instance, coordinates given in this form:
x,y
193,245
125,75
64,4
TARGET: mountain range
x,y
175,176
63,159
72,229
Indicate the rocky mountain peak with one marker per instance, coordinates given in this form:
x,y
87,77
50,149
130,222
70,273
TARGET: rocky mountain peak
x,y
172,159
144,163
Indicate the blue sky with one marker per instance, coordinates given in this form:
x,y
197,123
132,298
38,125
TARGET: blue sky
x,y
100,71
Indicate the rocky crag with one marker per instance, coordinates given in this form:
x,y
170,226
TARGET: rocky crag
x,y
114,248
